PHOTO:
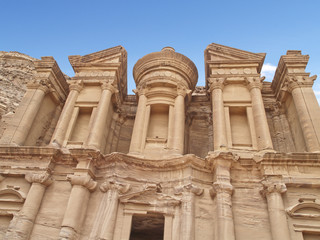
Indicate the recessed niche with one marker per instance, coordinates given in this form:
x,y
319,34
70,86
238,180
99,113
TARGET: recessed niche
x,y
240,131
81,128
158,123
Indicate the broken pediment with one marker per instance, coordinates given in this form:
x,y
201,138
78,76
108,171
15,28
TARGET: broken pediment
x,y
216,52
112,59
11,195
307,208
219,56
150,197
111,55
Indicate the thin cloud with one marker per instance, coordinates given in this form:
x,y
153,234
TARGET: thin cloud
x,y
268,71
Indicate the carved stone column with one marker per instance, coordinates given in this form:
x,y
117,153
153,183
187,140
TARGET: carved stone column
x,y
259,114
39,90
22,224
97,130
277,215
139,123
107,214
66,114
218,116
187,210
308,127
179,120
77,205
222,191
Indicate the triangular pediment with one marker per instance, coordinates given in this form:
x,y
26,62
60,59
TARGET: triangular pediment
x,y
149,197
108,56
216,52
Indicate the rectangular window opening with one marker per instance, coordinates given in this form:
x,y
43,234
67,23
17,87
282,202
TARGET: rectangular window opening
x,y
147,226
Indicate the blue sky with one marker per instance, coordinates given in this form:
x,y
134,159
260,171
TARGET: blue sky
x,y
68,27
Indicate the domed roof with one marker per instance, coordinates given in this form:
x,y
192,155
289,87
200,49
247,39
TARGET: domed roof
x,y
169,60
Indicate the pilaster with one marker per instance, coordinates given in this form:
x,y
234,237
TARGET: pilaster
x,y
60,131
273,189
296,85
104,224
216,86
187,193
264,141
139,123
221,191
95,133
77,205
22,224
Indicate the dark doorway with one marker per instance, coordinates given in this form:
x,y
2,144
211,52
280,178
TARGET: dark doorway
x,y
148,226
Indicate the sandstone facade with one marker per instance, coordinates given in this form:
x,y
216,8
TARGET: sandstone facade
x,y
238,158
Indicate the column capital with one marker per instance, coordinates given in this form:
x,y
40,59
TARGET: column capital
x,y
114,185
293,82
42,178
221,187
84,181
109,86
182,90
76,85
276,109
254,82
188,188
272,187
142,89
42,84
216,83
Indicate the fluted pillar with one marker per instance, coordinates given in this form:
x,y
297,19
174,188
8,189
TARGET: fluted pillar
x,y
179,121
264,141
97,130
222,191
187,192
139,123
21,133
277,215
218,115
107,214
309,128
77,206
22,224
66,114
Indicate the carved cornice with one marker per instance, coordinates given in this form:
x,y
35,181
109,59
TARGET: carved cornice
x,y
48,69
42,178
216,83
84,181
221,187
254,82
114,185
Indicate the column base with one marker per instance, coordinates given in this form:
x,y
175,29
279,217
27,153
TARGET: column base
x,y
68,233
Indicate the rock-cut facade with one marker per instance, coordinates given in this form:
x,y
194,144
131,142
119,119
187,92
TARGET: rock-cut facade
x,y
236,159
